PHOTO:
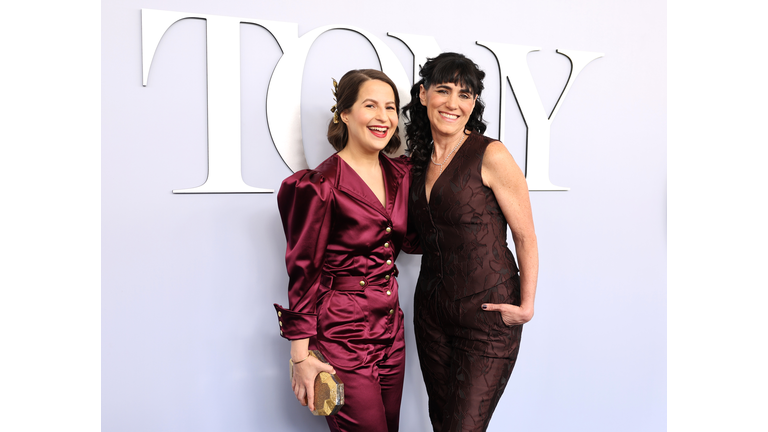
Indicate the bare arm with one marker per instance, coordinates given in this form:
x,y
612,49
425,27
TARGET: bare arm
x,y
305,371
501,173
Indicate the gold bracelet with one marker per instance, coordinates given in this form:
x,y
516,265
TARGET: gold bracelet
x,y
297,362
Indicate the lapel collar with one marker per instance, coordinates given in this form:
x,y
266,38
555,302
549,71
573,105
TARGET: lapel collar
x,y
349,181
393,178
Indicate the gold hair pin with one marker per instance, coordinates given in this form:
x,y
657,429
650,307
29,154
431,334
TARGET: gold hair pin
x,y
333,108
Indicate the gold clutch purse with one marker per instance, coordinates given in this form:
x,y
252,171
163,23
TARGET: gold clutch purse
x,y
329,390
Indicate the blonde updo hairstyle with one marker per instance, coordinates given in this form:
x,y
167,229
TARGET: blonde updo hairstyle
x,y
346,96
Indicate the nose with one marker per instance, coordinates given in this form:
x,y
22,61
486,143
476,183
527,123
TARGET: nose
x,y
453,101
381,113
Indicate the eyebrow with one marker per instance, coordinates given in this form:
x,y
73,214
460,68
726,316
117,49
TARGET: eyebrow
x,y
375,101
463,90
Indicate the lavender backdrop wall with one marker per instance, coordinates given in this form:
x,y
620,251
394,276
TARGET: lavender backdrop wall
x,y
189,337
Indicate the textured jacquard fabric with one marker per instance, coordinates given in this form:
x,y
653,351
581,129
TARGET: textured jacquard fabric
x,y
466,354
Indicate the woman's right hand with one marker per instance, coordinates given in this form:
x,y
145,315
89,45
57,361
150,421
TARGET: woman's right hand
x,y
303,380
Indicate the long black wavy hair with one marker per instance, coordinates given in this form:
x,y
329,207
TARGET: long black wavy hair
x,y
448,67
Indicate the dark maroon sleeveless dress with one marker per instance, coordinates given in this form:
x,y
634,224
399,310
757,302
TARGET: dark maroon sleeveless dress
x,y
466,354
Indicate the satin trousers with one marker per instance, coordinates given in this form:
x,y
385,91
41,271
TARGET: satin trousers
x,y
361,334
372,392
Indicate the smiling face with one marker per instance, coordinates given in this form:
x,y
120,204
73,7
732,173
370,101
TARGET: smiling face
x,y
448,108
372,120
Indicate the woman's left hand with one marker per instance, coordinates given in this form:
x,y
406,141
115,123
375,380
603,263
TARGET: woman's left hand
x,y
510,314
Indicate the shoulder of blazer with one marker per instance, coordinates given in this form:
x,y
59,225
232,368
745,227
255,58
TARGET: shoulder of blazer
x,y
327,171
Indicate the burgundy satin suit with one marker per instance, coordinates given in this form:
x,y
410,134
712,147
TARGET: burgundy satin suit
x,y
343,295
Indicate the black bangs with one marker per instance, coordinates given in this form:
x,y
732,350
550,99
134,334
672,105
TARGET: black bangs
x,y
456,69
448,67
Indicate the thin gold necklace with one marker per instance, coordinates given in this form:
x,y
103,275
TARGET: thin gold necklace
x,y
432,159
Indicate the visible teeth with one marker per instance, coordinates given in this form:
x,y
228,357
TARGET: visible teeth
x,y
449,116
378,129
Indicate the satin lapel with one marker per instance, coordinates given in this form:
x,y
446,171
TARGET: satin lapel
x,y
354,186
393,178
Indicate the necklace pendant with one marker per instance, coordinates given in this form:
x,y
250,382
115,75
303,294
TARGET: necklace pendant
x,y
434,153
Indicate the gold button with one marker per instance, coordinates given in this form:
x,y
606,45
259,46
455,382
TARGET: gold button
x,y
362,283
391,311
388,229
279,314
281,323
389,262
281,332
389,292
386,277
386,244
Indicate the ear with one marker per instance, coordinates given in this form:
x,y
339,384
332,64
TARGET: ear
x,y
422,95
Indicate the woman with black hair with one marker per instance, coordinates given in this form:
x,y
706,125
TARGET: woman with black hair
x,y
470,302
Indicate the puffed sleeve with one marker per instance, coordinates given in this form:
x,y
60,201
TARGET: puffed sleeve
x,y
304,201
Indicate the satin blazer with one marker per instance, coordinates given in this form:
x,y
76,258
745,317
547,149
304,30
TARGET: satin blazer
x,y
340,237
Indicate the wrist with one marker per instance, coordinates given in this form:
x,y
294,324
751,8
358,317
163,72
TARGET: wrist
x,y
298,358
299,349
527,310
